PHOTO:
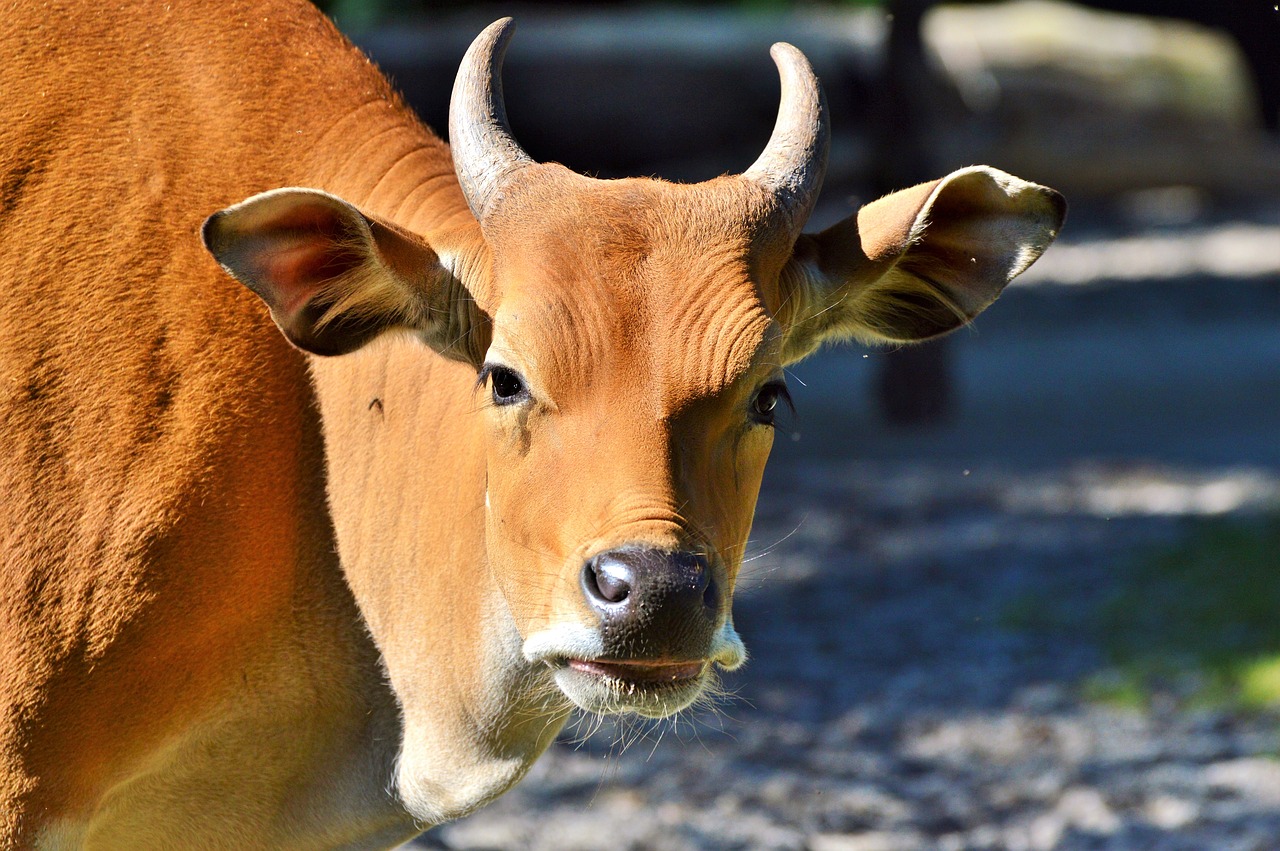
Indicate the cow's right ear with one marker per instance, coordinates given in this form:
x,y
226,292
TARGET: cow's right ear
x,y
335,278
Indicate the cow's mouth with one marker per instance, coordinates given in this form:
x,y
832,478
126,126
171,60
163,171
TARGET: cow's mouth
x,y
652,689
598,682
641,673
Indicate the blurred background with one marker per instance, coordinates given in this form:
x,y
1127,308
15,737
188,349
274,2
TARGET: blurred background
x,y
1018,589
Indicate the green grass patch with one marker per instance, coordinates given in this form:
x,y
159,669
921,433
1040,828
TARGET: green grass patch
x,y
1118,688
1199,622
1034,611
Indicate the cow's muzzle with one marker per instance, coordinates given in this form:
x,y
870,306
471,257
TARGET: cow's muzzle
x,y
653,606
661,628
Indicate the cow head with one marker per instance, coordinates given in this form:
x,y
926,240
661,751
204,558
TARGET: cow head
x,y
628,339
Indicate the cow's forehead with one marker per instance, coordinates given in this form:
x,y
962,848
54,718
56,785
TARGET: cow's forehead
x,y
640,280
550,209
696,350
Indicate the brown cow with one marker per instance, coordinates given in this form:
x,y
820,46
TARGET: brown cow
x,y
256,598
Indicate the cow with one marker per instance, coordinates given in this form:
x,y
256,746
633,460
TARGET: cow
x,y
328,558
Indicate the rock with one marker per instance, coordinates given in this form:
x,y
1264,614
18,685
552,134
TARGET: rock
x,y
1255,778
864,842
1169,813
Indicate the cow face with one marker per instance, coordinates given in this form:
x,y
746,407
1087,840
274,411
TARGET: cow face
x,y
632,383
629,339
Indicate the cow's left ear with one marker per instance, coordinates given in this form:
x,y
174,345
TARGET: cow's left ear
x,y
335,278
917,263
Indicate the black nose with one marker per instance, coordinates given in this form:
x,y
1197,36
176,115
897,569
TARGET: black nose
x,y
652,604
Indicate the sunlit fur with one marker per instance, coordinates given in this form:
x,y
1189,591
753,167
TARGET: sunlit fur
x,y
252,597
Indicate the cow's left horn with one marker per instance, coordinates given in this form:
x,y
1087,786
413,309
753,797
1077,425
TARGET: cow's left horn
x,y
484,152
795,160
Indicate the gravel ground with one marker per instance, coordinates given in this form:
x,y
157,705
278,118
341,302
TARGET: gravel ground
x,y
921,609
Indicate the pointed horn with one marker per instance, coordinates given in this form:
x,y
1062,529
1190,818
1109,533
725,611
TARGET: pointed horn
x,y
795,160
484,152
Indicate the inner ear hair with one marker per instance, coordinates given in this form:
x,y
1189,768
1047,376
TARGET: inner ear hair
x,y
906,304
372,291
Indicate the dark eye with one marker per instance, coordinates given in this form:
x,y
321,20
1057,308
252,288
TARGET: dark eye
x,y
507,385
764,407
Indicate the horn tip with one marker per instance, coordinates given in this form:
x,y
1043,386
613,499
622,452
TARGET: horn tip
x,y
498,33
786,53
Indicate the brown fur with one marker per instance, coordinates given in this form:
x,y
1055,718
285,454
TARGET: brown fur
x,y
254,599
165,545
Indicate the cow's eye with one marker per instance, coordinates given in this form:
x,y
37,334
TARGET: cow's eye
x,y
764,407
507,385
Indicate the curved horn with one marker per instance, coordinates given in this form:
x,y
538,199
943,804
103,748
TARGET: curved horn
x,y
484,153
795,160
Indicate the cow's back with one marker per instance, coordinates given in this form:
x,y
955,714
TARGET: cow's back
x,y
160,462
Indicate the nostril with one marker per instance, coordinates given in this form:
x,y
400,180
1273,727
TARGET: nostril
x,y
710,596
607,580
698,574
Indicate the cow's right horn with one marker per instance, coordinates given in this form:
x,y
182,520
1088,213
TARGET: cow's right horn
x,y
795,159
484,152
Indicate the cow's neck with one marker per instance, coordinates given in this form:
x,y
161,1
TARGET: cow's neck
x,y
406,489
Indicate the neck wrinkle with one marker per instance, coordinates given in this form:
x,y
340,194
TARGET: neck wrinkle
x,y
381,158
403,173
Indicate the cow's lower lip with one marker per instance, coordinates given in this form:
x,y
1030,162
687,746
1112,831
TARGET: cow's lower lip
x,y
653,689
658,673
